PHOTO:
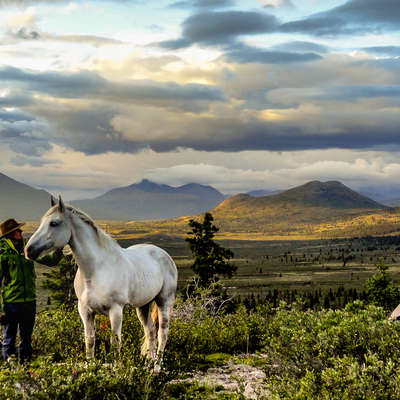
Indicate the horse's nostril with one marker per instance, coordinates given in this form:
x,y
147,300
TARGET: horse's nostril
x,y
30,252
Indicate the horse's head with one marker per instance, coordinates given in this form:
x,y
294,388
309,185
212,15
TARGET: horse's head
x,y
54,231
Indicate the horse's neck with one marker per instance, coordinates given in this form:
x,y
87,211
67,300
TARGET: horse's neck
x,y
87,248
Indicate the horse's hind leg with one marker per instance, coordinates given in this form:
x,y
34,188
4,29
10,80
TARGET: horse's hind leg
x,y
87,317
115,315
164,315
149,344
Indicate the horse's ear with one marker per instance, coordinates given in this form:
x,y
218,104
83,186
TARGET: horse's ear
x,y
61,205
52,201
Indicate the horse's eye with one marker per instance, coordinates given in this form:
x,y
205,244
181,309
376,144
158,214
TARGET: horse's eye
x,y
55,223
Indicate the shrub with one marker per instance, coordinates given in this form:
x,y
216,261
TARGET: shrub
x,y
351,353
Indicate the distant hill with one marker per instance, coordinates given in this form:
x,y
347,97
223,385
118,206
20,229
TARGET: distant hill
x,y
21,201
294,209
332,194
149,200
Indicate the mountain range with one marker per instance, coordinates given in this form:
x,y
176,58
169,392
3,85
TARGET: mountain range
x,y
312,203
149,200
141,201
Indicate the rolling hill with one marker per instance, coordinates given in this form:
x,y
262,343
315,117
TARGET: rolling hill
x,y
313,210
21,201
311,203
331,194
149,200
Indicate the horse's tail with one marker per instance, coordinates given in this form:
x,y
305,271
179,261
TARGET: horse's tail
x,y
154,315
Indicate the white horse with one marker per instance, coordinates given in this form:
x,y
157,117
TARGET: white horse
x,y
109,277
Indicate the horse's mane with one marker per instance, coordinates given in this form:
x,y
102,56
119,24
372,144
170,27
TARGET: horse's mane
x,y
84,217
105,239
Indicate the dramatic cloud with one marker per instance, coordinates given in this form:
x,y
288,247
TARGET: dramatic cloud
x,y
225,27
85,84
221,28
355,16
24,136
89,131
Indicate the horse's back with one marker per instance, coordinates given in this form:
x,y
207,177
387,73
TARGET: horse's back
x,y
157,254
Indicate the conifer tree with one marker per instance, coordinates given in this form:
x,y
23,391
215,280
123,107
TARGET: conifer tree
x,y
380,290
210,258
60,282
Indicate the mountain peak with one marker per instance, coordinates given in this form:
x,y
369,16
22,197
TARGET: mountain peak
x,y
319,184
331,194
149,186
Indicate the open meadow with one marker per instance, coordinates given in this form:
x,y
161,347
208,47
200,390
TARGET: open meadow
x,y
299,266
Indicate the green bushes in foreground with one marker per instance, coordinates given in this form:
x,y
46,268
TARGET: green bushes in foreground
x,y
347,354
329,354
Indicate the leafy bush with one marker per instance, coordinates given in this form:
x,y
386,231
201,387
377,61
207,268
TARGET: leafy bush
x,y
200,327
351,353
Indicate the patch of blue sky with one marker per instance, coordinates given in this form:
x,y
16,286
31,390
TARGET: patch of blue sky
x,y
108,19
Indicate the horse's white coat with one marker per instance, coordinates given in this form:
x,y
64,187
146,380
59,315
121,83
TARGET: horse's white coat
x,y
109,277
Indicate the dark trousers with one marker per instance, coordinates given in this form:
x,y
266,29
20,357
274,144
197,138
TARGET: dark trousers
x,y
22,316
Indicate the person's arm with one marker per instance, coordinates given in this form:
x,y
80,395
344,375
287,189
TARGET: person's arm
x,y
52,259
2,267
2,261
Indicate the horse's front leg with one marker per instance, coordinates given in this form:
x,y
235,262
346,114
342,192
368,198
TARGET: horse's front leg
x,y
115,315
87,317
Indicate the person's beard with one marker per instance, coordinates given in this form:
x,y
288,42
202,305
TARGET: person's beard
x,y
19,244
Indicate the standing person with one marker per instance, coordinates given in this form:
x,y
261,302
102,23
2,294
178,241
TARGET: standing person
x,y
18,282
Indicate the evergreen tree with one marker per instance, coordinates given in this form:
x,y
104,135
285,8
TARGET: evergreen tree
x,y
210,258
380,290
60,282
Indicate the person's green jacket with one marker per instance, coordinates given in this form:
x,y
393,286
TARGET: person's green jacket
x,y
17,274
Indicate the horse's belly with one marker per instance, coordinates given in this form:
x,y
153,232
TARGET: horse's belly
x,y
144,292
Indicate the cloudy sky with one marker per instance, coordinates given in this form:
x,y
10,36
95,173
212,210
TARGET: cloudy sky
x,y
241,95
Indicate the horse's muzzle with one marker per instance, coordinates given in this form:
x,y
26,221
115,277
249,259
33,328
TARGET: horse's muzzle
x,y
32,252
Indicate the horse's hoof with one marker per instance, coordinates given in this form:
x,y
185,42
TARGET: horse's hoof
x,y
157,369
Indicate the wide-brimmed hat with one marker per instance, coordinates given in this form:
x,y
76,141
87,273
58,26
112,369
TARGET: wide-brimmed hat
x,y
8,226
